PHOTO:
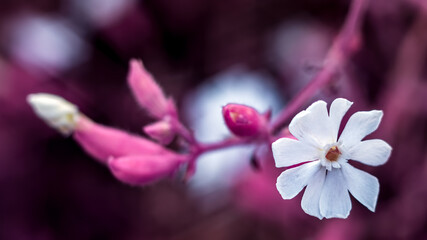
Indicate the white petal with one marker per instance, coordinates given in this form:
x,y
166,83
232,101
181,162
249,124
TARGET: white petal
x,y
312,125
372,152
359,126
336,165
335,201
339,108
288,152
362,185
298,130
293,180
310,200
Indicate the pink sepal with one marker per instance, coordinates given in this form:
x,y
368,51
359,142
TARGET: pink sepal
x,y
144,169
103,142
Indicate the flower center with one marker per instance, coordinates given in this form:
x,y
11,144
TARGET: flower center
x,y
333,154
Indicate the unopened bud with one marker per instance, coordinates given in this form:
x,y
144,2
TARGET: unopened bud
x,y
147,92
160,131
144,169
55,111
243,121
103,142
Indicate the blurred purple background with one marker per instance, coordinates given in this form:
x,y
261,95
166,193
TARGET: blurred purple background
x,y
204,53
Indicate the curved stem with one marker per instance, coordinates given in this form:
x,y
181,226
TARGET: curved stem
x,y
182,131
199,149
230,142
342,49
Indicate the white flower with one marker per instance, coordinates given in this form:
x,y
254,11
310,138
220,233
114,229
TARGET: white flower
x,y
326,172
55,111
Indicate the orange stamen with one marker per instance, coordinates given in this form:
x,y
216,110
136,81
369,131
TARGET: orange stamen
x,y
333,154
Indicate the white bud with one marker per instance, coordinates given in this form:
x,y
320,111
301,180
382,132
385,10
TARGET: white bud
x,y
55,111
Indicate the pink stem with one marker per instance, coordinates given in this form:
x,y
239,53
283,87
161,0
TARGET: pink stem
x,y
199,149
183,131
230,142
342,49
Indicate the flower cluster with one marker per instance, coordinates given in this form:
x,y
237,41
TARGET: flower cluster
x,y
132,159
314,146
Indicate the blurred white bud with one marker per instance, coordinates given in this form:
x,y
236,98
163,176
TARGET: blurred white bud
x,y
47,43
55,111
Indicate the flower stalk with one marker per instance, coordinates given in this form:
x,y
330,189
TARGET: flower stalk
x,y
136,160
344,46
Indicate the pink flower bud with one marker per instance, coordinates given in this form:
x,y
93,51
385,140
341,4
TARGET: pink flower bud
x,y
243,121
103,142
144,169
147,92
160,131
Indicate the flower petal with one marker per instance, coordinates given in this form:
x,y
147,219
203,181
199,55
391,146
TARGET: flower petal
x,y
362,185
339,108
312,125
372,152
293,180
335,201
359,126
288,152
310,200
